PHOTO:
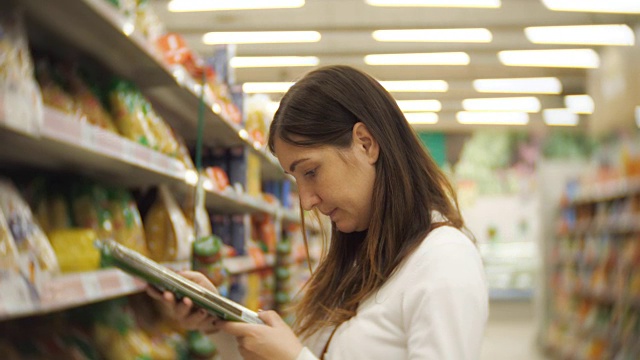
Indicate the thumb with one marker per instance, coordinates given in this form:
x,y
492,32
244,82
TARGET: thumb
x,y
271,318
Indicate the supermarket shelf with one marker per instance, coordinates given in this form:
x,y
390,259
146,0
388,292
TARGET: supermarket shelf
x,y
73,290
66,143
107,36
606,191
243,264
231,202
615,226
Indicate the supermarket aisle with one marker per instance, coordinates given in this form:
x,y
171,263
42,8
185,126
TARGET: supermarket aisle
x,y
510,332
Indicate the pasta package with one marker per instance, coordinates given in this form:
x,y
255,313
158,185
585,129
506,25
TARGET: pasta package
x,y
127,109
169,236
36,259
127,222
75,249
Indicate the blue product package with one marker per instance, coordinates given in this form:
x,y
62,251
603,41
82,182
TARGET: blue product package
x,y
238,166
221,226
284,195
238,232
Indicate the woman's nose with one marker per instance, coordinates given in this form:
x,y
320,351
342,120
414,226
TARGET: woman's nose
x,y
308,199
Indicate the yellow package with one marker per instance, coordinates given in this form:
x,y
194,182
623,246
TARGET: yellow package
x,y
75,249
90,209
126,221
169,237
127,110
166,141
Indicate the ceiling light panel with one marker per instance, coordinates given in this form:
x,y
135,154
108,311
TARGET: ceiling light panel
x,y
272,61
579,104
449,58
260,37
419,105
436,3
620,35
416,86
492,118
527,104
542,85
421,118
608,6
560,117
266,87
209,5
434,35
564,58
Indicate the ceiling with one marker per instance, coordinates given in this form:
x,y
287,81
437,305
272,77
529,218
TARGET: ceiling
x,y
346,26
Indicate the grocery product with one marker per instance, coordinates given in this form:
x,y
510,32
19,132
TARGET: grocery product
x,y
126,221
127,109
75,249
90,207
87,102
37,258
207,259
53,94
169,237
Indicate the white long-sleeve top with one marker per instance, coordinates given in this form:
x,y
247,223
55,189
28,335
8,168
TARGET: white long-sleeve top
x,y
435,306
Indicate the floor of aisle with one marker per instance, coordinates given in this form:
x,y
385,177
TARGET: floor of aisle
x,y
511,332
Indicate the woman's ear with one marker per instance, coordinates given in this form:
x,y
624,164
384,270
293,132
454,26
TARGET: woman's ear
x,y
363,140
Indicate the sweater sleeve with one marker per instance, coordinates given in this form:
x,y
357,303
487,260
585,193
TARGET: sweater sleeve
x,y
445,311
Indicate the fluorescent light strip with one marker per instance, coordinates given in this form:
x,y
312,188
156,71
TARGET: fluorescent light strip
x,y
564,58
543,85
621,35
260,37
272,61
579,104
527,104
436,3
609,6
637,112
434,35
211,5
449,58
421,118
266,87
492,118
419,105
560,117
416,86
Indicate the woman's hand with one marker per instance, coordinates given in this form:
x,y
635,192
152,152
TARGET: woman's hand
x,y
183,311
273,341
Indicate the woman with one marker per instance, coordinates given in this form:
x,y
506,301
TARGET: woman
x,y
400,280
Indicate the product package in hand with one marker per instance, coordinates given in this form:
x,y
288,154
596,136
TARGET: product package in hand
x,y
165,279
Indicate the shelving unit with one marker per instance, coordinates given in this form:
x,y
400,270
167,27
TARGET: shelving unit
x,y
107,36
72,290
595,272
94,30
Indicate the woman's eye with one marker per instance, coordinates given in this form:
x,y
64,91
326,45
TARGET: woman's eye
x,y
310,173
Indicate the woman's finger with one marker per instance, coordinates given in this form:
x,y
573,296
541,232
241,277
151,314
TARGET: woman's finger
x,y
237,329
153,292
195,320
183,308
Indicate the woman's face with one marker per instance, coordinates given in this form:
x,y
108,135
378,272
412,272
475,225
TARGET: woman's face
x,y
338,182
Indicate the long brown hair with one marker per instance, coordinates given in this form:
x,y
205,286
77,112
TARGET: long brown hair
x,y
321,109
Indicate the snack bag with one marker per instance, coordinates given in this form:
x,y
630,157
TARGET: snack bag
x,y
36,258
75,249
166,141
52,93
90,207
15,291
88,103
126,221
127,110
169,237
